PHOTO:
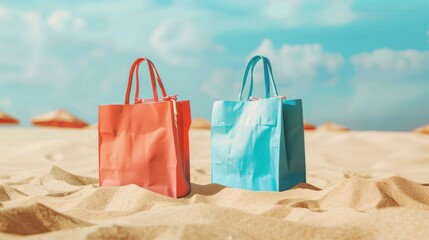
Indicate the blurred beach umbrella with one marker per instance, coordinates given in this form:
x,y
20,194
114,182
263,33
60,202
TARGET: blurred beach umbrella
x,y
308,126
423,129
200,123
58,118
333,127
7,119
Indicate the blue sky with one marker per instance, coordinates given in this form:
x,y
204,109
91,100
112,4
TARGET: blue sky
x,y
363,64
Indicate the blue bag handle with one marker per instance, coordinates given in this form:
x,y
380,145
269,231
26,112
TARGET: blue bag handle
x,y
272,77
268,77
251,66
267,70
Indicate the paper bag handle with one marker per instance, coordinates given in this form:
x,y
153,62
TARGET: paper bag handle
x,y
268,77
154,77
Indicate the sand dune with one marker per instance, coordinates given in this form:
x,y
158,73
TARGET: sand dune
x,y
35,219
361,186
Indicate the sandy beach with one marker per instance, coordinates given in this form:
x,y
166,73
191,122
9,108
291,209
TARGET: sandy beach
x,y
361,185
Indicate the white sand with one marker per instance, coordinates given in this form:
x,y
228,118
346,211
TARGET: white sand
x,y
371,189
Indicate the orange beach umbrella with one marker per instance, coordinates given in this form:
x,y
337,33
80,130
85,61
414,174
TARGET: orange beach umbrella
x,y
7,119
333,127
308,126
423,129
200,123
58,118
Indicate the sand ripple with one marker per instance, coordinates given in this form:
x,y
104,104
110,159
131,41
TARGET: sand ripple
x,y
36,219
130,212
49,189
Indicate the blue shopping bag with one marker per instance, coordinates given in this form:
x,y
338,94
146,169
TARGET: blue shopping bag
x,y
258,144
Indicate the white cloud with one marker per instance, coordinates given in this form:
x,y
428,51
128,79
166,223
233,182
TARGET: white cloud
x,y
292,13
224,83
47,70
179,42
5,101
299,65
23,43
25,23
3,12
390,60
26,57
387,80
61,20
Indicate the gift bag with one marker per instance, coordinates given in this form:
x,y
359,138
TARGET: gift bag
x,y
145,143
258,144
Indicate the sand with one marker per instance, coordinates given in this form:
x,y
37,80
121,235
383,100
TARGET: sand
x,y
361,185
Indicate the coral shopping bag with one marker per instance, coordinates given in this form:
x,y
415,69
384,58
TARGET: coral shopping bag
x,y
258,144
145,143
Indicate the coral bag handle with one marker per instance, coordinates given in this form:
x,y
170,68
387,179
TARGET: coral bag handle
x,y
154,77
